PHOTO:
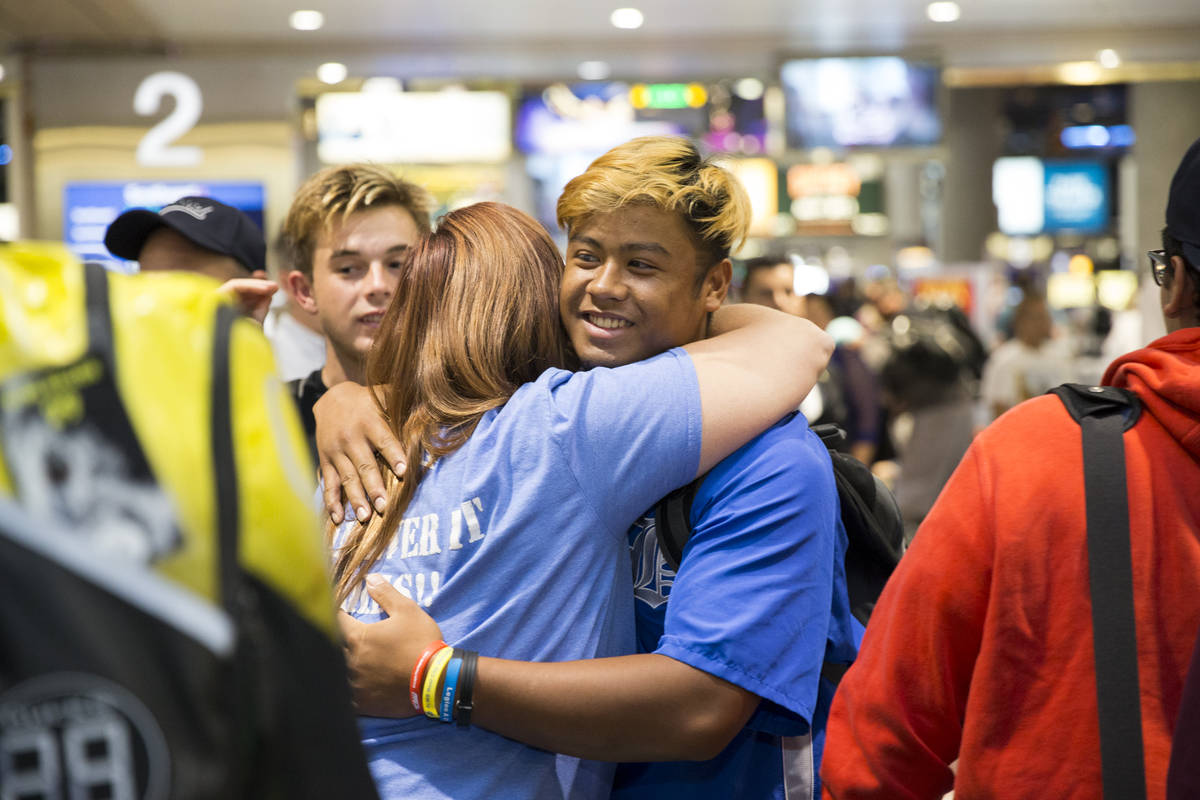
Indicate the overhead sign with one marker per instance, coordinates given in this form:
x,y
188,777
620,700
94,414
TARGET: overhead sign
x,y
155,148
1034,196
447,127
1076,196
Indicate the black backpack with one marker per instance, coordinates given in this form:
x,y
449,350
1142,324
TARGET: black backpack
x,y
874,528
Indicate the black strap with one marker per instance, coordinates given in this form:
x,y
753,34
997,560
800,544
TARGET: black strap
x,y
1111,575
1104,414
224,467
99,318
673,522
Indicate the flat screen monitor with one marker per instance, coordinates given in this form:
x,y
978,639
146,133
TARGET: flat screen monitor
x,y
881,101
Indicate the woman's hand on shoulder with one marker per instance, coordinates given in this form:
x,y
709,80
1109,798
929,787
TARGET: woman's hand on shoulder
x,y
350,431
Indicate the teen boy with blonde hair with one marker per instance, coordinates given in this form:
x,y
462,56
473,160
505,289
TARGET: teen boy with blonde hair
x,y
343,241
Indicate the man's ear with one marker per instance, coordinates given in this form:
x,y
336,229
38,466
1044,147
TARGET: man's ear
x,y
716,285
300,287
1181,296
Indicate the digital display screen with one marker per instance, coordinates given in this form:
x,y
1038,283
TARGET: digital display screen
x,y
594,117
446,127
1035,196
860,102
90,207
1076,196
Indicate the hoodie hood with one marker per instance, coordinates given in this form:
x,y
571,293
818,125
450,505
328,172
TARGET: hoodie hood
x,y
1166,376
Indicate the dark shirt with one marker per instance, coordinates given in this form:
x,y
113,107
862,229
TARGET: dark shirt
x,y
307,391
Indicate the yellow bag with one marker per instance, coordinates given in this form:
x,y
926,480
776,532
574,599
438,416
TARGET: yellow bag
x,y
142,425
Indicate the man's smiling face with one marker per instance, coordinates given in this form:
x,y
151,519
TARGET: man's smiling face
x,y
631,288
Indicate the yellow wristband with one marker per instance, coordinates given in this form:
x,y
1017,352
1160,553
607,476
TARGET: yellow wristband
x,y
433,679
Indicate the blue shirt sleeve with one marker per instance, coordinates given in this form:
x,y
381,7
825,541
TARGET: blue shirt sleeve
x,y
752,600
629,434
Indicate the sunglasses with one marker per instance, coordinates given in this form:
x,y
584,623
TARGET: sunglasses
x,y
1160,263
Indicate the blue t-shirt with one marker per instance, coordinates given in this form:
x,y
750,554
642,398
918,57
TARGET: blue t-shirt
x,y
515,544
760,601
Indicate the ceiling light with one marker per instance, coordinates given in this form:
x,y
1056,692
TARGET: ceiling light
x,y
332,72
1079,73
627,18
749,89
594,70
943,11
1108,58
306,20
382,84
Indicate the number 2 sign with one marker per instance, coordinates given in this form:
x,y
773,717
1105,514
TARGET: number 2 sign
x,y
155,148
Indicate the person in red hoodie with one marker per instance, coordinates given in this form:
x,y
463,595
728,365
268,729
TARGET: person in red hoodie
x,y
980,649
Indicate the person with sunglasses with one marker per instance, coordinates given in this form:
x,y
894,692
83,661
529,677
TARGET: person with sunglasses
x,y
981,648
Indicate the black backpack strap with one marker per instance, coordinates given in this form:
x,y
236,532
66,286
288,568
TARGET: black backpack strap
x,y
1104,413
99,316
673,522
224,466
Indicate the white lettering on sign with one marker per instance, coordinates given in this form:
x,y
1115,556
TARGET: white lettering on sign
x,y
155,149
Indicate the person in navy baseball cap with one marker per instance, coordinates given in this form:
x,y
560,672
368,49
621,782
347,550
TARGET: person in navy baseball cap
x,y
200,222
198,234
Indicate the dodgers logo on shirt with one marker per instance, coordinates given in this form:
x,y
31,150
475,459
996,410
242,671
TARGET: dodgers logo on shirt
x,y
652,577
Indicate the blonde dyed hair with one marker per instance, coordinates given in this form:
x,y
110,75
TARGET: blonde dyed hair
x,y
474,317
330,196
665,172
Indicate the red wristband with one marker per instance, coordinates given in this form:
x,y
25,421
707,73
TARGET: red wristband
x,y
418,674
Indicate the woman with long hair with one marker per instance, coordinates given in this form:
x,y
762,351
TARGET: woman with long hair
x,y
523,477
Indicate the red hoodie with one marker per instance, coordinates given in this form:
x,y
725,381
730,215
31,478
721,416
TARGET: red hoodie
x,y
980,648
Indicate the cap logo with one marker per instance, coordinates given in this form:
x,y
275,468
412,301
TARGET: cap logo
x,y
195,210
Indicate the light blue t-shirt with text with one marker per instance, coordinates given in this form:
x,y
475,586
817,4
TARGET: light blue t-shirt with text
x,y
515,544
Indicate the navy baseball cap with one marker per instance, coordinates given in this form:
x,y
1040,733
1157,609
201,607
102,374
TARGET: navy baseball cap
x,y
201,220
1183,205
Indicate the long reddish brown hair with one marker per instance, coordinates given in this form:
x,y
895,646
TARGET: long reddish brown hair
x,y
475,315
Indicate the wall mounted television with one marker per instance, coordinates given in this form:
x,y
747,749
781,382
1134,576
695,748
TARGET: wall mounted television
x,y
871,101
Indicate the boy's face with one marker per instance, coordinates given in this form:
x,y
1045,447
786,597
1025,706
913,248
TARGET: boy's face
x,y
356,266
629,290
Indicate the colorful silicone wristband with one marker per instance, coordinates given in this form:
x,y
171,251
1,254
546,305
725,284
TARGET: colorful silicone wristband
x,y
463,694
418,674
446,709
433,679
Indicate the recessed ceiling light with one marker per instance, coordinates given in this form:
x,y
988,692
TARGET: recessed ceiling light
x,y
627,18
594,70
381,84
943,11
332,72
1108,58
306,20
749,88
1079,73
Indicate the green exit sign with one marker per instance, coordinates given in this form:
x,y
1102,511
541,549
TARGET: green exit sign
x,y
668,95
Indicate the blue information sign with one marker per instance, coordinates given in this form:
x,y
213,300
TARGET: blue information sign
x,y
89,208
1076,196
